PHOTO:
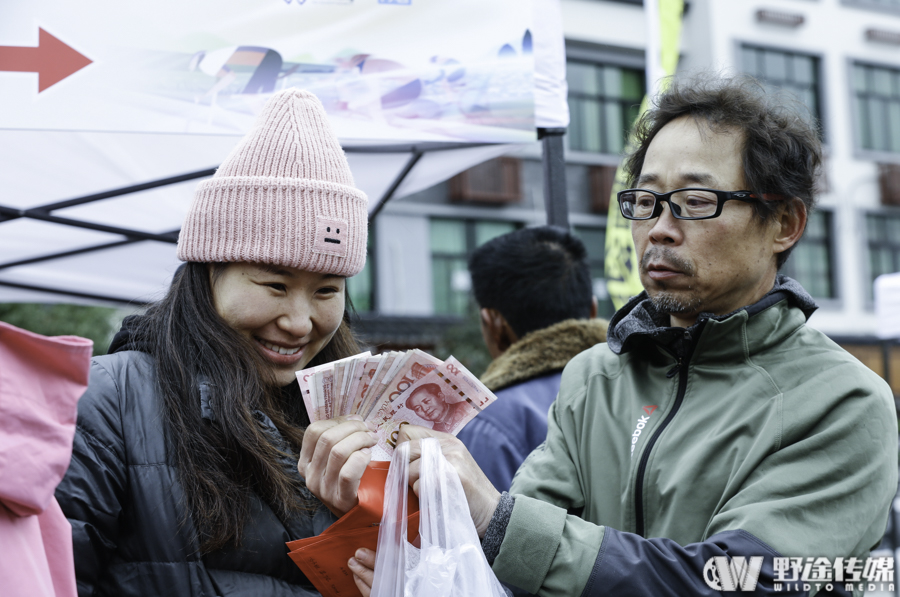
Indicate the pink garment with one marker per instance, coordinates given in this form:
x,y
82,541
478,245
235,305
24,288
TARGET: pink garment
x,y
41,380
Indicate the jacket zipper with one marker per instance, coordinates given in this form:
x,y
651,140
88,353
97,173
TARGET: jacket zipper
x,y
681,368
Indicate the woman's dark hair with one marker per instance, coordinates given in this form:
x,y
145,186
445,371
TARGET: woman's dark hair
x,y
535,277
781,152
222,462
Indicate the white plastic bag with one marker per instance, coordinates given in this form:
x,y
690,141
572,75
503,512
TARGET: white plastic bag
x,y
450,562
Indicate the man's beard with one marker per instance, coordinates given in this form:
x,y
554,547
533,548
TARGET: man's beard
x,y
664,300
672,303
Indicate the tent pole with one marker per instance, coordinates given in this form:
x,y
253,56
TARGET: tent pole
x,y
84,295
554,161
413,160
46,209
46,217
74,252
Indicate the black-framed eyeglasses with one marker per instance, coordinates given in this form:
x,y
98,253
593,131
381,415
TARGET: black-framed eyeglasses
x,y
685,204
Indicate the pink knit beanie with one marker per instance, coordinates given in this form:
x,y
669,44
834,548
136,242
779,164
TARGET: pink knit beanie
x,y
284,196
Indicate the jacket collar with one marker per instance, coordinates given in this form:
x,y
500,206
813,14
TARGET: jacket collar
x,y
129,336
544,351
638,322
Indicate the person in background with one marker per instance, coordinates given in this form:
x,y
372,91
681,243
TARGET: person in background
x,y
41,380
537,312
183,479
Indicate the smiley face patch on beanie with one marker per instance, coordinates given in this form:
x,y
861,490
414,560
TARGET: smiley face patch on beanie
x,y
331,236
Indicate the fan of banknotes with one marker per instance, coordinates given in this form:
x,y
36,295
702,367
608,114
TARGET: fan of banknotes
x,y
395,389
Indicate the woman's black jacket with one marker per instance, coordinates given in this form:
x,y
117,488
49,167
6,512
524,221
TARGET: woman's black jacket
x,y
126,505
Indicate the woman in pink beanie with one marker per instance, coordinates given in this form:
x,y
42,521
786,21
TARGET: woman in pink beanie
x,y
184,475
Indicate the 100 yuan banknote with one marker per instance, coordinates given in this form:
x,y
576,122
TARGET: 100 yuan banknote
x,y
351,382
445,400
324,384
416,365
361,386
307,385
385,373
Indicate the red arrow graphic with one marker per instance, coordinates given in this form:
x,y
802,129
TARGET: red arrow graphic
x,y
52,60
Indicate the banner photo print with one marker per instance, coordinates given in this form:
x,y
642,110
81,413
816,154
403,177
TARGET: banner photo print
x,y
386,70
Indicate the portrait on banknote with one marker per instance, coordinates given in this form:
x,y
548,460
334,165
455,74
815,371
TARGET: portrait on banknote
x,y
430,403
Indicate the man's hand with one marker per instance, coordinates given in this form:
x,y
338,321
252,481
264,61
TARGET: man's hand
x,y
480,492
333,459
363,567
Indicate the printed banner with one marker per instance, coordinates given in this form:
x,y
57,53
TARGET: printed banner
x,y
386,70
622,264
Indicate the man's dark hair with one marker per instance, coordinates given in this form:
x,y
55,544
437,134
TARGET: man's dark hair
x,y
535,277
781,151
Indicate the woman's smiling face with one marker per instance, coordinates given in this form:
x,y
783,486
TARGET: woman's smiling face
x,y
288,314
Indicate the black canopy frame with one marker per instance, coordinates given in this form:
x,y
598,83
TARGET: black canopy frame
x,y
556,206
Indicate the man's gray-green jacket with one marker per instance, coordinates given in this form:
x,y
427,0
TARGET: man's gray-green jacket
x,y
749,434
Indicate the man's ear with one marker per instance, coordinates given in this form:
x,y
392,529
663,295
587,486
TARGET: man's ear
x,y
497,333
791,224
594,307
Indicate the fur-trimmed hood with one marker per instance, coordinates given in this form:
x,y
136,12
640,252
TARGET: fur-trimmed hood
x,y
544,351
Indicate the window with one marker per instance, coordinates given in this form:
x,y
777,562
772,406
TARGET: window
x,y
811,261
883,232
360,287
452,241
602,179
493,182
594,240
877,91
889,183
890,4
604,101
795,73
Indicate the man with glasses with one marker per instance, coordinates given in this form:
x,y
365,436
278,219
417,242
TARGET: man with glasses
x,y
715,435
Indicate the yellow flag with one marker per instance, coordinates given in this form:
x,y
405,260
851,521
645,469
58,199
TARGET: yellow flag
x,y
621,263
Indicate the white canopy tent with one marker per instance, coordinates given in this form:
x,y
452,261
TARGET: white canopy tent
x,y
90,206
115,243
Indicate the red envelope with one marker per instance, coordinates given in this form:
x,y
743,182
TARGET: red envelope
x,y
324,558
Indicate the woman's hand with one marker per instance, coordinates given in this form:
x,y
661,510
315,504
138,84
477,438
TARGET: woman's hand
x,y
363,567
480,492
333,459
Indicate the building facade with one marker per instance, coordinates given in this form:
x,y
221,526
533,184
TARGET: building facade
x,y
840,59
